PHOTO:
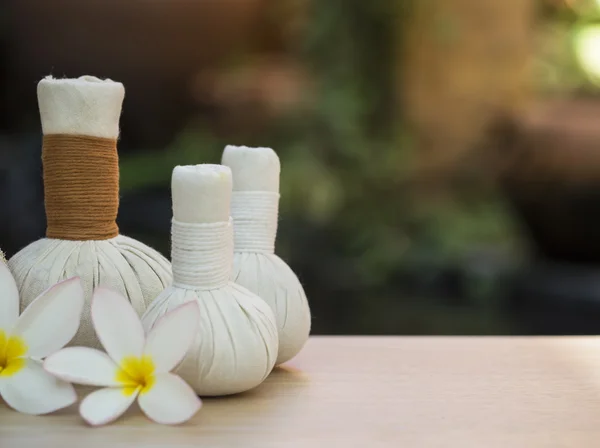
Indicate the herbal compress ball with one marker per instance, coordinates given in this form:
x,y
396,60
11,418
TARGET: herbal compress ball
x,y
80,123
236,345
254,208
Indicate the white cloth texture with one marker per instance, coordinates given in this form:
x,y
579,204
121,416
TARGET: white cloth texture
x,y
254,208
80,106
236,344
121,263
254,169
201,193
257,268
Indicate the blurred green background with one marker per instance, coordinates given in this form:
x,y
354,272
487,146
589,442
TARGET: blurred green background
x,y
438,156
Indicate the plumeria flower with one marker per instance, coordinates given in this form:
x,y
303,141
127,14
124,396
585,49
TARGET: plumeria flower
x,y
134,366
46,325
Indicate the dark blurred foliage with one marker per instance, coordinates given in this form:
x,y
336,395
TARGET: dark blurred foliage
x,y
373,257
377,247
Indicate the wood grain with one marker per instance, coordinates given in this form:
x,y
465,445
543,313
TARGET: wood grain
x,y
374,392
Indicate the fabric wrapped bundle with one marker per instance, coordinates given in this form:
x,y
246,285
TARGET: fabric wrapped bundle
x,y
80,123
236,345
254,208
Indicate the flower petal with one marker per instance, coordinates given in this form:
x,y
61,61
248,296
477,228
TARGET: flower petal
x,y
170,400
52,319
82,365
169,340
117,325
9,298
106,405
32,390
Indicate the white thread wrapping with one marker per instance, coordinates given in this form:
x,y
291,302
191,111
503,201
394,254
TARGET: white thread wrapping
x,y
254,216
201,254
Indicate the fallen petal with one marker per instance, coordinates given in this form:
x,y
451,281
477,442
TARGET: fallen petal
x,y
117,325
170,400
52,319
82,365
32,390
9,298
169,340
106,405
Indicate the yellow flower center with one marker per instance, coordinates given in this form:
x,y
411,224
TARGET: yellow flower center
x,y
136,374
12,350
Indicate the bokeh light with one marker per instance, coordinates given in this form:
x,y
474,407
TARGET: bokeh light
x,y
587,50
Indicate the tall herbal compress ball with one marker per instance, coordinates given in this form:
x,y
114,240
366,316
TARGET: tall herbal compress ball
x,y
236,345
254,209
80,123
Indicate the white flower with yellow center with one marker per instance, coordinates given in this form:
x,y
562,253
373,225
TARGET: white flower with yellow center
x,y
46,325
134,366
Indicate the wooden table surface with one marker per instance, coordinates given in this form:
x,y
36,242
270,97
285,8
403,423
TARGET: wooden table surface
x,y
369,392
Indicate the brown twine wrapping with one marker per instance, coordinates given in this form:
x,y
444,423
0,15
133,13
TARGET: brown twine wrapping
x,y
81,187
